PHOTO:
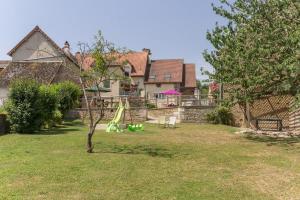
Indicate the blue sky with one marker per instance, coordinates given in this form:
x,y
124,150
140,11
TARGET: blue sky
x,y
170,28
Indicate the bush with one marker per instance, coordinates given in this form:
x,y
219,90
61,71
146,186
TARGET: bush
x,y
32,106
57,117
24,106
68,94
150,105
2,110
49,105
221,115
4,124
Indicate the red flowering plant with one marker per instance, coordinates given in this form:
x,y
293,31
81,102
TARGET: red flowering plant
x,y
214,89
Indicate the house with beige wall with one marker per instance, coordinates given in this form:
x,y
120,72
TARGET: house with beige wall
x,y
38,57
170,74
151,77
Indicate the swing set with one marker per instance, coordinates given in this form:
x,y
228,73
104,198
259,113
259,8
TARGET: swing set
x,y
114,124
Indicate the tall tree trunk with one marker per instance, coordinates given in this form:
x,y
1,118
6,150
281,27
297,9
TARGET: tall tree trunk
x,y
248,115
89,144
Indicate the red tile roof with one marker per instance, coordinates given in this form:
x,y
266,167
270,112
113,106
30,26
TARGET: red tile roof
x,y
87,63
166,71
190,76
138,60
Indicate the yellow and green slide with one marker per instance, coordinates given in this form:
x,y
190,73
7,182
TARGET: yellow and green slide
x,y
114,124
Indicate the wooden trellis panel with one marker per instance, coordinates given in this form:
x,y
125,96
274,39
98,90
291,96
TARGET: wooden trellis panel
x,y
272,107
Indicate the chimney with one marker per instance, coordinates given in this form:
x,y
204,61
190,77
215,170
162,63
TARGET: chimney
x,y
66,48
147,50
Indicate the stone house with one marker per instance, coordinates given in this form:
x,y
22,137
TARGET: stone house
x,y
3,64
150,77
38,57
134,69
170,74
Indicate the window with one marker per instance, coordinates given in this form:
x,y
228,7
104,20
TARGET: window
x,y
159,96
167,77
152,77
106,83
127,70
126,74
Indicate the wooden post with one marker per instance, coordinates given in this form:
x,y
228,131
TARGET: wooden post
x,y
156,101
111,102
248,114
199,100
167,100
124,116
179,101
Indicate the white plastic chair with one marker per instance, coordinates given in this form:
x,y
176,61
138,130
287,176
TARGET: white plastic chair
x,y
162,121
172,122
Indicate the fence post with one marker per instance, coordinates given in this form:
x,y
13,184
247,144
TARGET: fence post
x,y
199,99
111,102
180,101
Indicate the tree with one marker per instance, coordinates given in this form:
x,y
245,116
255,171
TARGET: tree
x,y
202,86
24,106
104,55
258,52
68,95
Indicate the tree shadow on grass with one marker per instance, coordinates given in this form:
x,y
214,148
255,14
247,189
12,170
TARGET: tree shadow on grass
x,y
73,123
151,150
65,128
56,131
272,141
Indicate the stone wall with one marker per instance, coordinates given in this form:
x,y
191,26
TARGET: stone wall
x,y
195,114
183,114
157,112
136,115
238,116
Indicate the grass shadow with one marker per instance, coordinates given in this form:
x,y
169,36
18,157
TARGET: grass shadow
x,y
57,131
272,141
150,150
65,128
73,123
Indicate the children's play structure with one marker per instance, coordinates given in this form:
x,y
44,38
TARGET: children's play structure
x,y
114,124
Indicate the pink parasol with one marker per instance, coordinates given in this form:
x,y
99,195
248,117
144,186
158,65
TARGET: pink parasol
x,y
170,92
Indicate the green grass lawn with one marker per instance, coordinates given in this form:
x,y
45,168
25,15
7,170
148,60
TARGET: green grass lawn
x,y
189,162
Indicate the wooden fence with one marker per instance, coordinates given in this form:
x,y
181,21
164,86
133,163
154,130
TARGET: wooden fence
x,y
166,102
294,118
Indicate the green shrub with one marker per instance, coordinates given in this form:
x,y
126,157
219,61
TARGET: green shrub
x,y
221,115
57,117
68,94
32,106
2,110
24,106
49,104
150,105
